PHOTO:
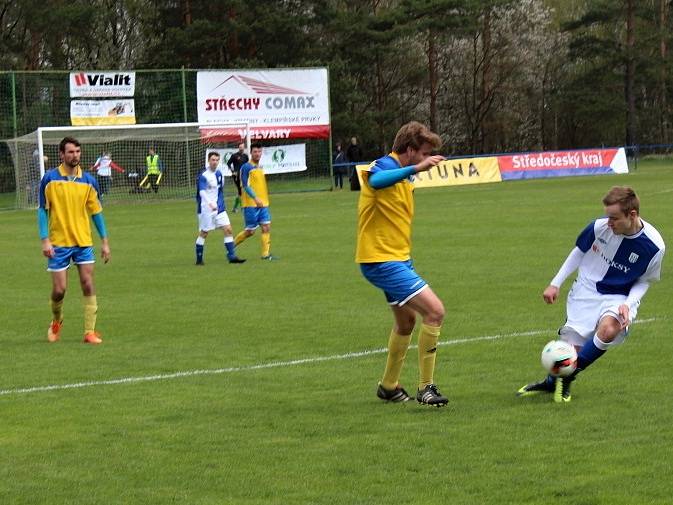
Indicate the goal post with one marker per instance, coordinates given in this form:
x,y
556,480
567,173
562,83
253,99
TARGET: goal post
x,y
291,165
180,151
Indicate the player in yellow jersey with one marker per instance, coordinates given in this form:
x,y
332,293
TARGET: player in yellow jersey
x,y
255,202
68,200
385,212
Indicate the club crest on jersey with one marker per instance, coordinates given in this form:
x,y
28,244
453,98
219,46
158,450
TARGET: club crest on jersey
x,y
633,257
595,248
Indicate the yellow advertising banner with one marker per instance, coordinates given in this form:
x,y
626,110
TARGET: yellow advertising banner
x,y
102,112
459,172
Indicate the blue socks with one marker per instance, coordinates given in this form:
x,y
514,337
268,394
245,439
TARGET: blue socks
x,y
590,352
229,244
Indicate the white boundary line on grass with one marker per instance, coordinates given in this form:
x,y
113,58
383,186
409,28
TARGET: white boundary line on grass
x,y
262,366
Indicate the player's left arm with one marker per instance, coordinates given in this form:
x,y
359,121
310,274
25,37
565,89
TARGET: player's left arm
x,y
117,167
99,222
638,290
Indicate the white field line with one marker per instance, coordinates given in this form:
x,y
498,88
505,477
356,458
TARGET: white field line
x,y
262,366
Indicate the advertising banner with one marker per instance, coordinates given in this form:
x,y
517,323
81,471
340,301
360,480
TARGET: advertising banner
x,y
102,84
275,160
102,112
459,172
453,173
563,163
292,103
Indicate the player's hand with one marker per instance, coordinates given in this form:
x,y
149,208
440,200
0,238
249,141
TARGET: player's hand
x,y
47,248
105,250
213,207
259,202
550,294
624,315
429,162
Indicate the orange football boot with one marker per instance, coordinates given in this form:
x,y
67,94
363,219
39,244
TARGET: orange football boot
x,y
92,337
54,332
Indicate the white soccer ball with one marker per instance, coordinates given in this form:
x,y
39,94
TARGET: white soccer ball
x,y
559,358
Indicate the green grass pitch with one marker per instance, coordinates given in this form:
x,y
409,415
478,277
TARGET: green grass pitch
x,y
262,389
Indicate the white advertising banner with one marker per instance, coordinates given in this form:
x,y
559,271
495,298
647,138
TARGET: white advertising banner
x,y
102,112
102,84
275,160
292,103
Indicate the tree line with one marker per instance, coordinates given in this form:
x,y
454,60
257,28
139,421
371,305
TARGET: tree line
x,y
488,75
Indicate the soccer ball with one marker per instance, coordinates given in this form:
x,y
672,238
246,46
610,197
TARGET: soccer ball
x,y
559,358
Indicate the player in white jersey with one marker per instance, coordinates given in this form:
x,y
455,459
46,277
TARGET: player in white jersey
x,y
617,257
103,167
211,211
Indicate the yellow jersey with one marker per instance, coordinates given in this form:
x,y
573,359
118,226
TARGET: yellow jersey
x,y
70,202
384,217
252,176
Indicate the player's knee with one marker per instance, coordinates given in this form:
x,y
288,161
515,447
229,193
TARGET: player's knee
x,y
608,329
87,286
405,326
228,231
435,314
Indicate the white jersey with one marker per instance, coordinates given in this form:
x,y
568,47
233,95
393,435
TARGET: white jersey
x,y
612,263
104,166
210,189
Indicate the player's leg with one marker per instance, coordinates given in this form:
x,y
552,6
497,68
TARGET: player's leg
x,y
200,245
609,332
59,284
58,266
265,224
237,184
229,245
596,318
431,309
250,221
389,388
85,266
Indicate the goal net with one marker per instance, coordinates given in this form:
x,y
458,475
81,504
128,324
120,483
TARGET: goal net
x,y
121,160
132,163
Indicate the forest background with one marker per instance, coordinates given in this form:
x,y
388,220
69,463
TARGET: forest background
x,y
489,76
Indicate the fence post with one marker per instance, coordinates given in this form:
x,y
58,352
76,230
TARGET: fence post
x,y
184,120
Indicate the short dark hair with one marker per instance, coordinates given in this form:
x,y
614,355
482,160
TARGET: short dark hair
x,y
68,140
213,153
256,145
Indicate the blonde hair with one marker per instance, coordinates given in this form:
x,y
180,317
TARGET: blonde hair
x,y
414,135
626,198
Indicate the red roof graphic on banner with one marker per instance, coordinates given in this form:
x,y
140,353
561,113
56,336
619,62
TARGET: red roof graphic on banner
x,y
261,87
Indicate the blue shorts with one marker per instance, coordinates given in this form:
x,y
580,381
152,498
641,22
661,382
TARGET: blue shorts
x,y
254,216
398,280
63,255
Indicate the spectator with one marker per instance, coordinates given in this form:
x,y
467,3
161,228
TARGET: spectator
x,y
339,166
353,155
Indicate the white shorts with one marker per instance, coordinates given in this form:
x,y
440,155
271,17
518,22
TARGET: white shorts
x,y
210,220
586,307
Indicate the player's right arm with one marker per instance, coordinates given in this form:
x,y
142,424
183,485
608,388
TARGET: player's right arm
x,y
245,184
572,263
43,220
205,199
384,178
